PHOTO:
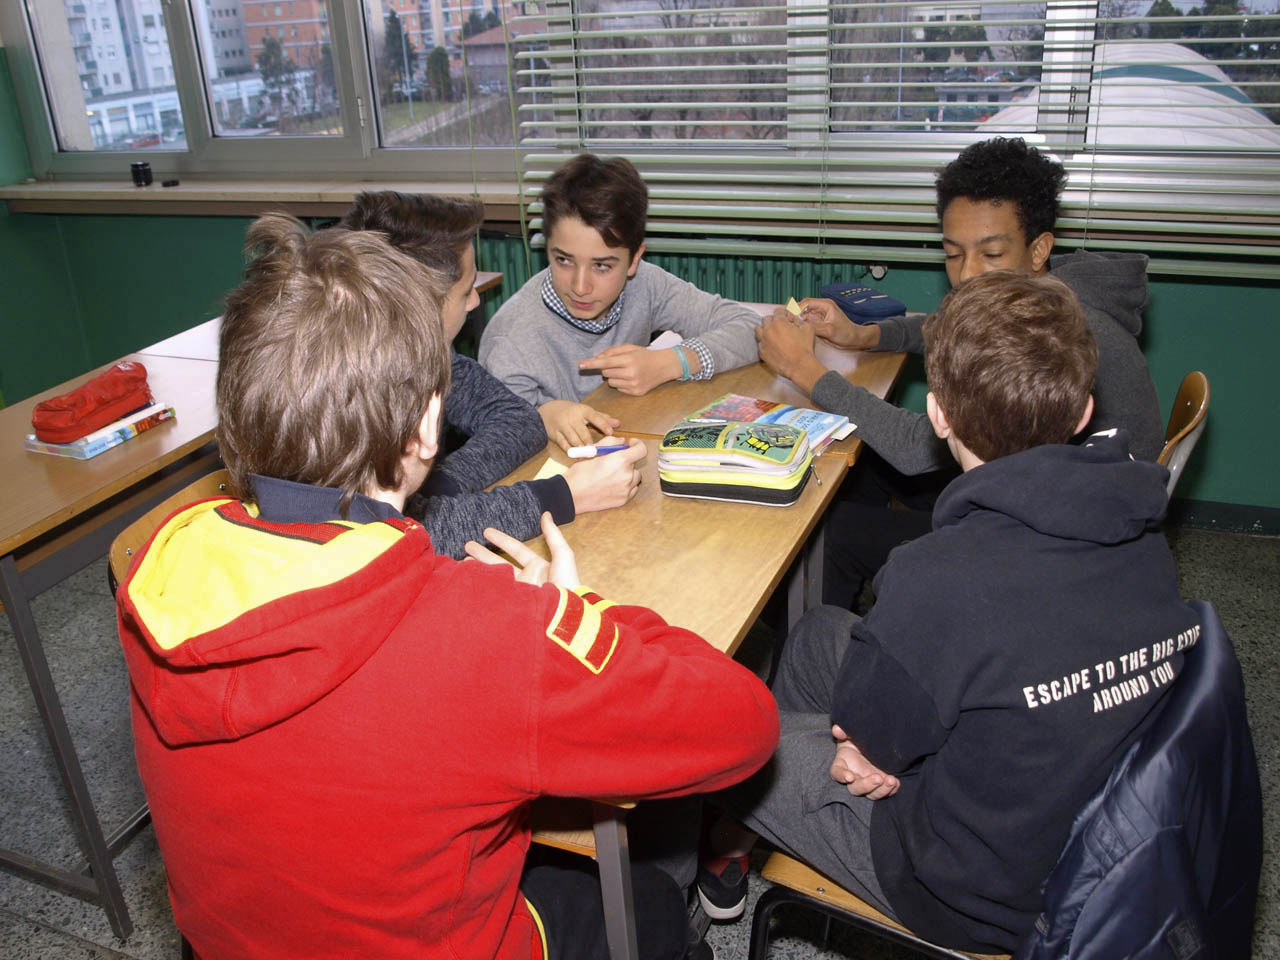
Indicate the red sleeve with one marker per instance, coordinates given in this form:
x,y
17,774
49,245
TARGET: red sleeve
x,y
627,706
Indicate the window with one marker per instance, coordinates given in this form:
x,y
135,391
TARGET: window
x,y
819,126
813,126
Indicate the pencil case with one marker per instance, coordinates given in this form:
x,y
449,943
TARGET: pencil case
x,y
749,462
110,395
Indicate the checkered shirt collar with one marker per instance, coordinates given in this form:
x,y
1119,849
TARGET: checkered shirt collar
x,y
556,306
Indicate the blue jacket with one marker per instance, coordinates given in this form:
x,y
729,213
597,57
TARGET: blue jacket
x,y
1164,860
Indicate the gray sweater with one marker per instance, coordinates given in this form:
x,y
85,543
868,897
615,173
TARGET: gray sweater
x,y
535,352
1113,289
502,432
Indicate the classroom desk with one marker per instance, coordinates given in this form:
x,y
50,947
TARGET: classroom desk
x,y
201,341
706,565
56,517
661,408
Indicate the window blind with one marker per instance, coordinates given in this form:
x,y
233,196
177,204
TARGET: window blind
x,y
815,130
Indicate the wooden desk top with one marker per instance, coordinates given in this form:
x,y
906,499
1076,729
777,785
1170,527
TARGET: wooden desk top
x,y
201,341
658,410
38,491
691,560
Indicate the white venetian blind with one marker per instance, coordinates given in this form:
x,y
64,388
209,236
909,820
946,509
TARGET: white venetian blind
x,y
814,130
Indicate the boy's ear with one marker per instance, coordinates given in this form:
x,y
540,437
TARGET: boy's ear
x,y
937,416
635,261
1041,247
1086,416
425,444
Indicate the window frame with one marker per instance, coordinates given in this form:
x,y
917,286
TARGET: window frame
x,y
354,154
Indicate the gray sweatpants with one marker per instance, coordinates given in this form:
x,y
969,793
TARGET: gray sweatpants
x,y
792,801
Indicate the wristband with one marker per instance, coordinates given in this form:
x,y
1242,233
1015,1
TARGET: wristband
x,y
684,364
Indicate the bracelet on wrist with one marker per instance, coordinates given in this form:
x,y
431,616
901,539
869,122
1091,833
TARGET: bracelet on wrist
x,y
685,374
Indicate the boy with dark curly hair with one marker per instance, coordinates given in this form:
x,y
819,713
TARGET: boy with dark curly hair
x,y
997,203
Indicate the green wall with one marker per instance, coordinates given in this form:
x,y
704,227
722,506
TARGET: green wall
x,y
43,337
82,290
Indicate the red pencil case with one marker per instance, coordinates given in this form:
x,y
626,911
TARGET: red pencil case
x,y
106,398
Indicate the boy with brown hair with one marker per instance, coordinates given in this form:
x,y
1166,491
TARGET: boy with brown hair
x,y
934,754
590,316
338,730
501,430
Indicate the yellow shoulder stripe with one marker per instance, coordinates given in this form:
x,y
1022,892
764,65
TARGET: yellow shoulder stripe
x,y
579,628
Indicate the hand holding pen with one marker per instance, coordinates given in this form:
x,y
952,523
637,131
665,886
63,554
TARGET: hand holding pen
x,y
603,482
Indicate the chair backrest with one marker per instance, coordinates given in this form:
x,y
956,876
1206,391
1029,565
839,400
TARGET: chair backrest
x,y
1164,860
135,536
1186,423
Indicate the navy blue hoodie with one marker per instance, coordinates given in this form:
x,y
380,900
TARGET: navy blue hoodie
x,y
1011,657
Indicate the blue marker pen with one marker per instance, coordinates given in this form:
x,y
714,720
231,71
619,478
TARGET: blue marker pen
x,y
595,450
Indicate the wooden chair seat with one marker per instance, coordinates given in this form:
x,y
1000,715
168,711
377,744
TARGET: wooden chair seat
x,y
135,536
797,882
1186,423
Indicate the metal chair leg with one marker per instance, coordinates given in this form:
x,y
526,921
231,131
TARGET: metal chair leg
x,y
769,901
613,857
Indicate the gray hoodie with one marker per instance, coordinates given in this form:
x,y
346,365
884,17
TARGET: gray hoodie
x,y
1113,289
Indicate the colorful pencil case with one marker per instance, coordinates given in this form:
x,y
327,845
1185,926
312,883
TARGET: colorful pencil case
x,y
752,462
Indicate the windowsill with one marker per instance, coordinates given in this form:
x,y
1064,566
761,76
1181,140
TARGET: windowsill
x,y
234,198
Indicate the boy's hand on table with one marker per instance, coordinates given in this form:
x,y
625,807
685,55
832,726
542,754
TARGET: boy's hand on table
x,y
786,345
636,370
860,775
562,569
606,481
569,424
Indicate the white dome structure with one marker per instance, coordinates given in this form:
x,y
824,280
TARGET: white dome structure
x,y
1155,95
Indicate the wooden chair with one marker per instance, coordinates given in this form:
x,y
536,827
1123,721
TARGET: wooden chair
x,y
126,546
135,536
798,883
1186,423
1168,851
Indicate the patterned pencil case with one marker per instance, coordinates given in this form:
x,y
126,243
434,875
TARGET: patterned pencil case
x,y
751,462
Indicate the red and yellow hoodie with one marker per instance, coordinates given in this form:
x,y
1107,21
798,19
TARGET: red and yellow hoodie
x,y
339,732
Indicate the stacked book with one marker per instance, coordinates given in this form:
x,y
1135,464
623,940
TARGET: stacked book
x,y
112,435
821,427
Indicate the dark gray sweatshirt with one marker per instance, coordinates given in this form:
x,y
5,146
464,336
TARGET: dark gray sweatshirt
x,y
503,432
1113,289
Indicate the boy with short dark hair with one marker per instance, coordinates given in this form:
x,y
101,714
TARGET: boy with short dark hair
x,y
997,203
589,317
502,431
338,730
934,754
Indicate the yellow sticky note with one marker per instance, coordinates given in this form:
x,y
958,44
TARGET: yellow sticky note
x,y
793,307
551,468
